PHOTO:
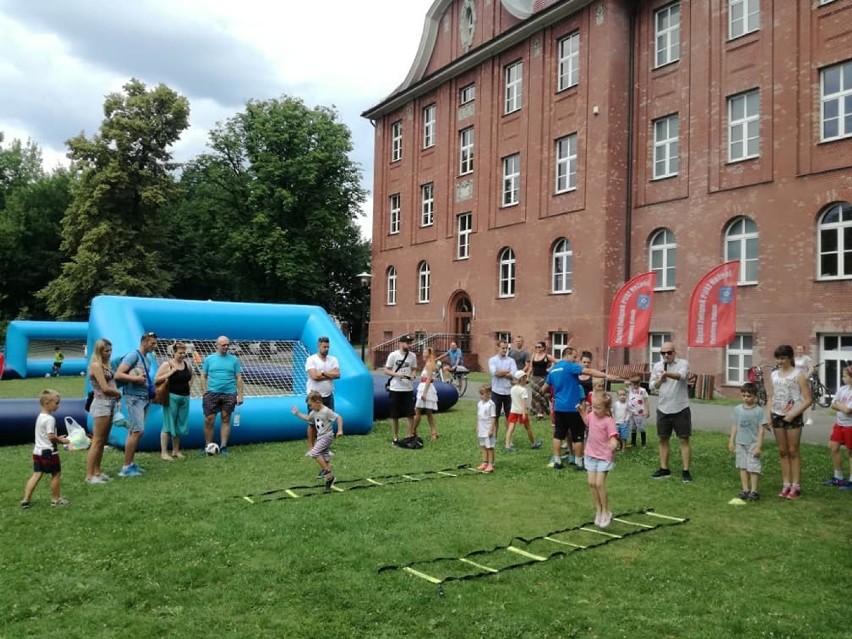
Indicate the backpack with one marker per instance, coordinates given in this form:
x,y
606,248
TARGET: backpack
x,y
115,362
412,443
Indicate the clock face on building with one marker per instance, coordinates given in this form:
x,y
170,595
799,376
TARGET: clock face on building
x,y
467,23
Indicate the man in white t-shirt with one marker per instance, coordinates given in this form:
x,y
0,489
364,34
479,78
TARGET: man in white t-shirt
x,y
502,369
400,368
322,369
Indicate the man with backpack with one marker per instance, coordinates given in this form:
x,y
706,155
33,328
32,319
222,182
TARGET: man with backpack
x,y
135,372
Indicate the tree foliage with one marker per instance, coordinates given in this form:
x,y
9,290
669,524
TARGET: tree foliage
x,y
114,227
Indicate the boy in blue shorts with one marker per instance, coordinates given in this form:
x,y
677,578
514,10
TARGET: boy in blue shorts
x,y
45,457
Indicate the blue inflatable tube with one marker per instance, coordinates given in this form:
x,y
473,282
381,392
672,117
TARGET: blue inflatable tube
x,y
447,396
18,338
18,418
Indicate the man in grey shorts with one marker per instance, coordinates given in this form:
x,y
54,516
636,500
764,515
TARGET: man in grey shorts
x,y
669,377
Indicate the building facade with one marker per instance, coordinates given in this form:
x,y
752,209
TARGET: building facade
x,y
539,154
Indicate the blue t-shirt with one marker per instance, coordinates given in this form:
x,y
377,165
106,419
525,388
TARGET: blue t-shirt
x,y
221,371
455,355
567,392
135,359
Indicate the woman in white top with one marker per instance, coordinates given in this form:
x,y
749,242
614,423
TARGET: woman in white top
x,y
789,396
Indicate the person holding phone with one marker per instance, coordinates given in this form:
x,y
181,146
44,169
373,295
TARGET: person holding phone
x,y
669,376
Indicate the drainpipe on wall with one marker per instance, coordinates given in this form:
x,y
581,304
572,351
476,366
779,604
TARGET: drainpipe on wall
x,y
628,214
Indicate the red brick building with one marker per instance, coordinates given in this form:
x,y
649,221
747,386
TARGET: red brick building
x,y
539,154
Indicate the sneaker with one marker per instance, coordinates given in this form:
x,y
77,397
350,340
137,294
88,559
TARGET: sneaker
x,y
785,491
809,422
558,465
553,461
752,496
488,469
223,451
661,473
129,471
26,505
536,444
395,442
744,495
329,482
598,518
579,468
846,486
834,482
105,477
323,473
59,502
97,479
686,477
606,520
482,466
509,449
794,492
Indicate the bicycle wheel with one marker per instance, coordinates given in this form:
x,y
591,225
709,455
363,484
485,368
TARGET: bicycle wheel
x,y
460,382
822,397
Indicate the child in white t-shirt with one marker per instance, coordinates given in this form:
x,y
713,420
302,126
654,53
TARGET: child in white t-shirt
x,y
519,413
45,457
486,428
621,415
640,410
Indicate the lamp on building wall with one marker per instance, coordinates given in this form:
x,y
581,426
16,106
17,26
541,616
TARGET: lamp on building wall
x,y
364,278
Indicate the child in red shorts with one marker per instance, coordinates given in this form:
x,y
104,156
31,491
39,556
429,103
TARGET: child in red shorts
x,y
841,434
45,457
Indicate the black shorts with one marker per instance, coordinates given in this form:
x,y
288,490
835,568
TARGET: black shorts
x,y
503,403
401,404
680,423
47,462
212,403
567,424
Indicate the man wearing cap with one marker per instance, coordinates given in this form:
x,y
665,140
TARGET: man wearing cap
x,y
222,391
322,370
502,369
669,376
135,371
400,368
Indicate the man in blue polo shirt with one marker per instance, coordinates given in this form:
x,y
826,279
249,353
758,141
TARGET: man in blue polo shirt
x,y
222,388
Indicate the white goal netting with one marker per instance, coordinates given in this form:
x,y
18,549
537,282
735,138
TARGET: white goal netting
x,y
44,349
269,368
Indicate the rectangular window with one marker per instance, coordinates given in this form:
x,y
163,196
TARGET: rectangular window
x,y
655,343
466,151
569,61
503,336
836,92
464,227
738,358
391,297
559,341
512,180
666,146
427,204
467,94
514,74
743,17
667,35
394,215
429,126
744,126
396,141
566,163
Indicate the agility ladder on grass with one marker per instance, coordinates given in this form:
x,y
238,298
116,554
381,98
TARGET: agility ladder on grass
x,y
521,552
297,492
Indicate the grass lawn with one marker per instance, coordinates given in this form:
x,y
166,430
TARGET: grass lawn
x,y
180,553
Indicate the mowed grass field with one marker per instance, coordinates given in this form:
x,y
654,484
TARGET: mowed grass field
x,y
180,552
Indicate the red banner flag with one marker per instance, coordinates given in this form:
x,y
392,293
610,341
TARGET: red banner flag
x,y
630,313
713,307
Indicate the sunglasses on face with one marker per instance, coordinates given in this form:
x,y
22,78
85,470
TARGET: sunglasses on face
x,y
666,352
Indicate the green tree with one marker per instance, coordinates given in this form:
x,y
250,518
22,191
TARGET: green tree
x,y
20,165
115,226
278,198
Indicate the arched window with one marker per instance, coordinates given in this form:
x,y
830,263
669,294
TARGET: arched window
x,y
507,273
741,244
391,286
424,282
834,234
562,266
663,252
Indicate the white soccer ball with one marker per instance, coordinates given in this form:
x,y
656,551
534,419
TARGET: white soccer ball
x,y
212,449
47,374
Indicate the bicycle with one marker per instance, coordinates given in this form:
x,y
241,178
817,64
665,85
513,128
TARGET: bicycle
x,y
755,376
820,394
458,378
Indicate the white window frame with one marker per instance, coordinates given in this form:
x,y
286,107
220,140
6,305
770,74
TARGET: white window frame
x,y
562,267
743,17
833,106
741,239
396,141
739,355
424,283
395,213
837,230
507,278
514,87
466,142
511,180
427,204
467,94
835,349
667,35
744,126
390,282
666,271
666,151
464,229
429,115
566,163
559,342
655,343
568,70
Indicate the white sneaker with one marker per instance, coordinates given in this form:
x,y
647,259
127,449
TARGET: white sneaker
x,y
97,479
809,422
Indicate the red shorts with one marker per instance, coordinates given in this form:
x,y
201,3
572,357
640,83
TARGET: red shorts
x,y
842,435
517,418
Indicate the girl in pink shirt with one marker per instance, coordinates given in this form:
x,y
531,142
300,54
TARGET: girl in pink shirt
x,y
600,446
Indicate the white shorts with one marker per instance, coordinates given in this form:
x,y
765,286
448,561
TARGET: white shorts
x,y
488,442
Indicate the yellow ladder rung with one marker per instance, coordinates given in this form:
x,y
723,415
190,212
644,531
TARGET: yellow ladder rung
x,y
373,481
632,523
338,489
410,477
600,532
564,543
664,516
480,566
526,554
291,494
422,575
249,500
446,474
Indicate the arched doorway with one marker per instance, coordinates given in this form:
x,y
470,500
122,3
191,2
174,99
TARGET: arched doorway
x,y
461,316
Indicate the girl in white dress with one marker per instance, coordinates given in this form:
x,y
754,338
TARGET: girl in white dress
x,y
427,396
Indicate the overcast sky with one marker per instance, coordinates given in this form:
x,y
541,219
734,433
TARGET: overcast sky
x,y
59,58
